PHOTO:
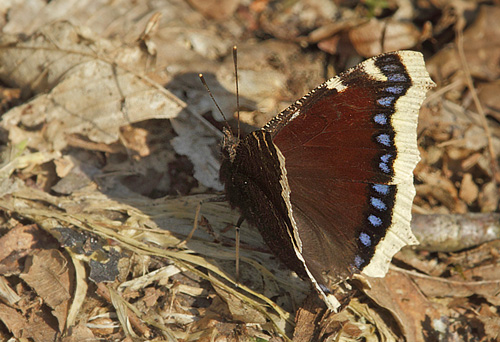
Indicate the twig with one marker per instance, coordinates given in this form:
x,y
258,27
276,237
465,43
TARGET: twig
x,y
477,103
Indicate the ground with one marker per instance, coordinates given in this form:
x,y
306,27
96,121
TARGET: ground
x,y
110,142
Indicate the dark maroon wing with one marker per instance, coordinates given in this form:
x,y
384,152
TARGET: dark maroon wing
x,y
349,149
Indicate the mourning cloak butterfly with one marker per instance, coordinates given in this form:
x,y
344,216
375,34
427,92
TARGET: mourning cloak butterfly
x,y
329,181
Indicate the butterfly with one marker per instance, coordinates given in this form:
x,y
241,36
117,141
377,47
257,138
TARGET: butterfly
x,y
329,181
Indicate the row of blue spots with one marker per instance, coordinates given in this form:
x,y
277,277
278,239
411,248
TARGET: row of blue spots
x,y
393,75
377,203
374,220
388,101
393,72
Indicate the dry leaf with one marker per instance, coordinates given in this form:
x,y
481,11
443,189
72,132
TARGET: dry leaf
x,y
49,276
398,294
468,189
82,93
216,9
378,36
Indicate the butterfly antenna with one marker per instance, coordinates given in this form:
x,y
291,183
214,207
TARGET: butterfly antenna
x,y
235,62
213,100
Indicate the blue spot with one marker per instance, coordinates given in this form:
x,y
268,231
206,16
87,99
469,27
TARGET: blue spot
x,y
390,68
386,101
397,78
384,167
386,157
378,203
358,261
324,288
365,239
382,189
381,119
375,221
384,139
395,89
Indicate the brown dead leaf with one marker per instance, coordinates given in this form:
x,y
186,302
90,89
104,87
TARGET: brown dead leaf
x,y
18,241
79,333
398,294
308,318
12,319
447,288
491,327
379,36
7,294
216,9
472,258
49,276
33,323
483,272
63,166
8,96
151,296
482,50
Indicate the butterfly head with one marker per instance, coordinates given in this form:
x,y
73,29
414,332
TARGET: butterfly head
x,y
229,145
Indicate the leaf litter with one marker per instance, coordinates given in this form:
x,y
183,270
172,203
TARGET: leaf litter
x,y
103,168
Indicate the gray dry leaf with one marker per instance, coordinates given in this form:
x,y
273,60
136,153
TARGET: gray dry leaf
x,y
91,87
82,88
